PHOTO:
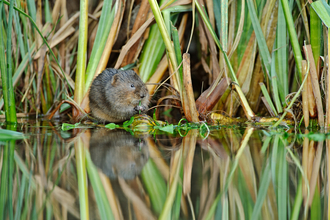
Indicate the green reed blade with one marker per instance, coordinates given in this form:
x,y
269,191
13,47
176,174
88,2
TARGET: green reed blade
x,y
246,32
267,97
323,11
177,49
105,23
19,204
32,9
155,185
177,200
79,91
48,15
6,68
247,201
281,54
273,159
39,32
173,187
316,35
99,192
262,192
282,182
19,34
299,196
216,40
152,53
231,173
297,202
4,181
316,211
263,49
224,24
293,37
82,178
153,49
11,146
265,145
275,87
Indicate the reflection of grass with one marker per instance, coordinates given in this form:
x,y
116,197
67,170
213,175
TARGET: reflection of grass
x,y
235,176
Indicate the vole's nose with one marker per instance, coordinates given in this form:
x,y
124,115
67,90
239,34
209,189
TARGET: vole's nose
x,y
142,96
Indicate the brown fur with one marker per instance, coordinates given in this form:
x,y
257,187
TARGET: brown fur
x,y
118,153
115,95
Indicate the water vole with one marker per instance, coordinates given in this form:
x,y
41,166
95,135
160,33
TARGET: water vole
x,y
116,95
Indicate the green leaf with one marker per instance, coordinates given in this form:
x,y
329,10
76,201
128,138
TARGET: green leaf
x,y
322,12
112,126
66,126
264,52
155,185
128,123
6,135
167,128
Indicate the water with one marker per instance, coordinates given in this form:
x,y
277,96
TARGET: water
x,y
97,173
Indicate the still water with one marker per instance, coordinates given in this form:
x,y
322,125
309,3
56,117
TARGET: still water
x,y
228,173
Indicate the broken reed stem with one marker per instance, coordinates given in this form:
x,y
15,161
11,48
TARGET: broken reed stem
x,y
315,84
189,90
305,95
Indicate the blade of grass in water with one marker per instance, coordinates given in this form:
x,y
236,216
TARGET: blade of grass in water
x,y
316,205
244,142
4,181
11,146
262,192
282,182
100,195
166,211
155,185
22,189
297,202
82,178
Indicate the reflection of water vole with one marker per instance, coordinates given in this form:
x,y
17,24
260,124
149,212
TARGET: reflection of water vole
x,y
116,95
118,153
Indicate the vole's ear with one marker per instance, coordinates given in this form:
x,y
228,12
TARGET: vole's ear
x,y
115,78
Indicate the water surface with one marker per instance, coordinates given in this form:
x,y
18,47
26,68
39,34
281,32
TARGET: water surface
x,y
97,173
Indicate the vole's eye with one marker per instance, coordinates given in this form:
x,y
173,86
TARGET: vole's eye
x,y
132,86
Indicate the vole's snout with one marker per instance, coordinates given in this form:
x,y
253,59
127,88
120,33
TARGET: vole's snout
x,y
142,96
140,108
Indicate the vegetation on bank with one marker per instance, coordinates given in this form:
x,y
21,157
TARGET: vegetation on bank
x,y
239,58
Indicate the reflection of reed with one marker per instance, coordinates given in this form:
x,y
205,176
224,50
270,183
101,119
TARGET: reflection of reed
x,y
230,174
